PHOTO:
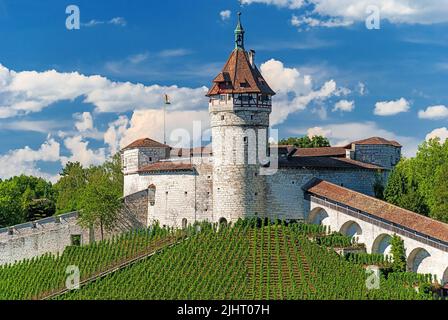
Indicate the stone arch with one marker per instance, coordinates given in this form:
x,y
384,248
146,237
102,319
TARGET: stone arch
x,y
222,222
445,277
416,258
152,194
317,216
184,223
351,228
382,244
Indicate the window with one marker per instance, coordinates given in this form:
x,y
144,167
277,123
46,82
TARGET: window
x,y
245,139
75,240
184,223
251,117
150,159
186,193
222,118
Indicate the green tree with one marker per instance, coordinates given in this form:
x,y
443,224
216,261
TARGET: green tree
x,y
403,188
69,188
100,201
306,142
398,253
440,209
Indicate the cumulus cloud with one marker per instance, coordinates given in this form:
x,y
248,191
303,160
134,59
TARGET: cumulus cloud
x,y
183,128
81,153
331,13
225,15
30,91
294,90
441,133
434,113
344,106
390,108
24,161
341,134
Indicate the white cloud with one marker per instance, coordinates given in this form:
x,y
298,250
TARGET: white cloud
x,y
81,153
347,11
41,126
344,106
434,113
441,133
118,21
149,124
24,161
389,108
310,22
138,58
294,90
341,134
30,91
291,4
225,15
84,121
171,53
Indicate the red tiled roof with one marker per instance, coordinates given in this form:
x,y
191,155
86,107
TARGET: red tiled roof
x,y
380,209
325,162
375,141
238,76
320,152
146,143
167,166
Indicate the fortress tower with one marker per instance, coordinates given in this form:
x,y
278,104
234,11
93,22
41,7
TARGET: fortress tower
x,y
240,105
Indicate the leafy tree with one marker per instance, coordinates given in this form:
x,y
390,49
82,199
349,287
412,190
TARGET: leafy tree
x,y
70,187
19,197
100,201
398,253
440,209
403,189
306,142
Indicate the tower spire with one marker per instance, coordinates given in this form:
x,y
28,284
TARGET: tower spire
x,y
239,34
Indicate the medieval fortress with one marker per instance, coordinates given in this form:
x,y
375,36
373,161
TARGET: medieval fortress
x,y
242,175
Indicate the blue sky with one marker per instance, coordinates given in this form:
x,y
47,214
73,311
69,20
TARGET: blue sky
x,y
80,95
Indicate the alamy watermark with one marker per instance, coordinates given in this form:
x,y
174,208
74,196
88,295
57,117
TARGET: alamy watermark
x,y
373,280
72,282
373,20
73,21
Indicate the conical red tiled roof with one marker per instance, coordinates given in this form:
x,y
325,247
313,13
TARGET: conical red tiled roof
x,y
239,76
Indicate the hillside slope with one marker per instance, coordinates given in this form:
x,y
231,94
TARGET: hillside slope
x,y
246,262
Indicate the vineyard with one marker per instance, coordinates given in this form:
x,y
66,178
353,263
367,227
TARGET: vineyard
x,y
253,259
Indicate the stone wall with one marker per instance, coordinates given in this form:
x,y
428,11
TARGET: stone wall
x,y
382,155
134,159
50,235
285,197
54,234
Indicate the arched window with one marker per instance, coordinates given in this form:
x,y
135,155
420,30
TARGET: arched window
x,y
223,222
152,195
184,223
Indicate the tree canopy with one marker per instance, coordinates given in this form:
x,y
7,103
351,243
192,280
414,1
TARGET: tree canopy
x,y
420,184
24,199
306,142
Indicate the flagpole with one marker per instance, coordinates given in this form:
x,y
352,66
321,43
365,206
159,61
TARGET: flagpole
x,y
167,102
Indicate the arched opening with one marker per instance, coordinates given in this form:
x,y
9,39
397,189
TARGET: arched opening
x,y
445,277
222,222
416,259
184,223
152,194
382,244
317,216
352,229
